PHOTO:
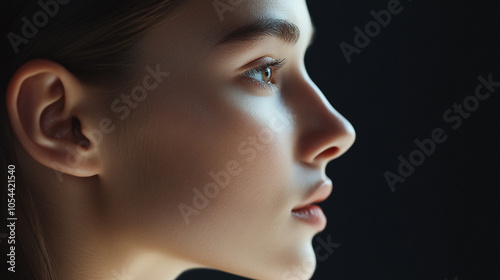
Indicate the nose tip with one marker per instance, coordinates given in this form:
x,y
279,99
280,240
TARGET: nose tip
x,y
326,134
329,139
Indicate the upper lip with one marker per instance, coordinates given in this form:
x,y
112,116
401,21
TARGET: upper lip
x,y
320,192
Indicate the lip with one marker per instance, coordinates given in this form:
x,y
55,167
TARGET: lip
x,y
310,213
321,191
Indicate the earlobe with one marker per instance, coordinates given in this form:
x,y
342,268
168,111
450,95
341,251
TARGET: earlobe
x,y
44,104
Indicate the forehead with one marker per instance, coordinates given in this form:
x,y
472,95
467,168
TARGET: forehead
x,y
245,12
225,12
204,23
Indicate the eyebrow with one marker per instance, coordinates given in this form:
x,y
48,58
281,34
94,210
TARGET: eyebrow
x,y
255,30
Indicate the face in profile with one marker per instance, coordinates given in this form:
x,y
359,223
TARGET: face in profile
x,y
215,155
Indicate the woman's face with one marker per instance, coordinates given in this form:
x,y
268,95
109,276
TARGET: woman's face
x,y
218,145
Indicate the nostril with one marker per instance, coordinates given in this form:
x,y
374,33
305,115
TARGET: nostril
x,y
328,153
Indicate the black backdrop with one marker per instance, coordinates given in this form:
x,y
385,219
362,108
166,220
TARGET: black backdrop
x,y
442,221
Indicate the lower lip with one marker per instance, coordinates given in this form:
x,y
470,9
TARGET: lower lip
x,y
312,215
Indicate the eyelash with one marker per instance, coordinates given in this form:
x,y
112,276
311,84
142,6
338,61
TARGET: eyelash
x,y
275,65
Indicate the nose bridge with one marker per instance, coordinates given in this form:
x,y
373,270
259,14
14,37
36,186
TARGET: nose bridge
x,y
324,133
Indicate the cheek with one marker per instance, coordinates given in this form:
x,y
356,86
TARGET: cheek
x,y
223,162
216,164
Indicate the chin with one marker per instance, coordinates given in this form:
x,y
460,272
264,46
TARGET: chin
x,y
300,265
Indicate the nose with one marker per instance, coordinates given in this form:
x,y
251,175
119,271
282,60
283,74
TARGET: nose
x,y
324,134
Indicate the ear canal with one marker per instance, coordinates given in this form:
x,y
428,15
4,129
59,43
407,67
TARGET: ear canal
x,y
77,132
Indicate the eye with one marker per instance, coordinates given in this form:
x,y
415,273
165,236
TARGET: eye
x,y
264,73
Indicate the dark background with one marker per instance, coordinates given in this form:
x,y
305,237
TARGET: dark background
x,y
442,222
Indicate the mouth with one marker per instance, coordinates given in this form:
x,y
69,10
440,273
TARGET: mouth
x,y
311,213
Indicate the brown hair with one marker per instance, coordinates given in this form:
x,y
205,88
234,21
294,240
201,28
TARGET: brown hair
x,y
97,41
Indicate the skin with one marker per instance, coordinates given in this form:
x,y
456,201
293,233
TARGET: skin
x,y
114,205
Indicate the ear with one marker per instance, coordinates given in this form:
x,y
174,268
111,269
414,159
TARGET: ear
x,y
45,104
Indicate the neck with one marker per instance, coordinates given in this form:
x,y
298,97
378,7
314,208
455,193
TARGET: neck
x,y
84,245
